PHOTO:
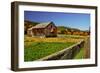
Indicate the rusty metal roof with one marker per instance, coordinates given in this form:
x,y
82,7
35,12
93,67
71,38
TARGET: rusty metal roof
x,y
40,25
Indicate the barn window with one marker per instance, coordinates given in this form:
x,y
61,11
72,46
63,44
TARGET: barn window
x,y
51,26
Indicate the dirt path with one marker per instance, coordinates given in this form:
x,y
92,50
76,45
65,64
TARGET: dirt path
x,y
87,47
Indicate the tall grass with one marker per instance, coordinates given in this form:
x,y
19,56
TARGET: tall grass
x,y
80,55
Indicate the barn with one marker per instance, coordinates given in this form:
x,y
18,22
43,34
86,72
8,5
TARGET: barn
x,y
47,29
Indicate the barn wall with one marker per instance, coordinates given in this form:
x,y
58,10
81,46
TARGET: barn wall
x,y
30,33
38,32
48,30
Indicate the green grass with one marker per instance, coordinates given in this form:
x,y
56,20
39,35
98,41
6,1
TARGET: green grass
x,y
80,55
39,50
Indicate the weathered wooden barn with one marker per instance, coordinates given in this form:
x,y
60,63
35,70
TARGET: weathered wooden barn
x,y
47,29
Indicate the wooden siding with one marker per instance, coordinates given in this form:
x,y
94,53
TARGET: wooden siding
x,y
49,31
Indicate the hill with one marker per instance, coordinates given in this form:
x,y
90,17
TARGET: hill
x,y
62,28
28,24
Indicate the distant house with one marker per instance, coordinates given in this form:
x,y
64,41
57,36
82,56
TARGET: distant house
x,y
47,29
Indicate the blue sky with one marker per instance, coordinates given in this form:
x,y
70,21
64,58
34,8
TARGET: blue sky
x,y
73,20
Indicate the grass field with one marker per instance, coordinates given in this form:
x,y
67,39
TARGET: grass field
x,y
39,50
36,47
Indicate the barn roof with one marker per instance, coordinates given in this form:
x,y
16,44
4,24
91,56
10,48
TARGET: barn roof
x,y
40,25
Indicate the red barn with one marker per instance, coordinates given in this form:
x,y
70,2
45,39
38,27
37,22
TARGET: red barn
x,y
47,29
